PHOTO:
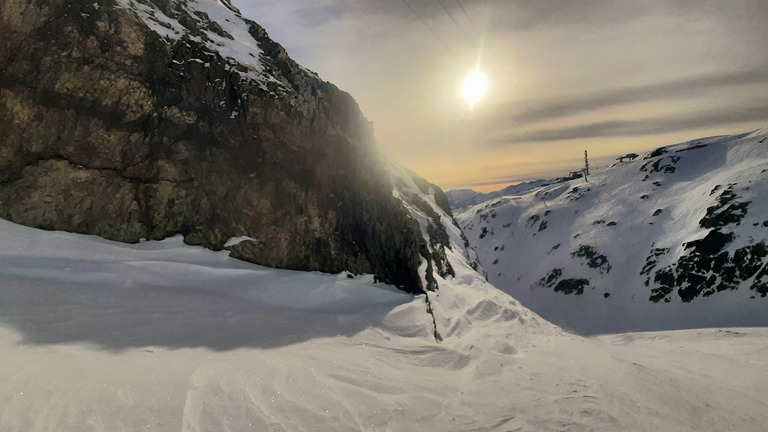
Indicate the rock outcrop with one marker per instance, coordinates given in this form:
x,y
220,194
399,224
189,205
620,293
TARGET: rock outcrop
x,y
141,119
428,205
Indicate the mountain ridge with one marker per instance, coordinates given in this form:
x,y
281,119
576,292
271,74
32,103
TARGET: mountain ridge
x,y
460,198
673,239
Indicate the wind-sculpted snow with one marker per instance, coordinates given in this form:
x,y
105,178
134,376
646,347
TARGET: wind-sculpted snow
x,y
163,336
673,239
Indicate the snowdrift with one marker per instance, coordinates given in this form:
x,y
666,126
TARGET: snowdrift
x,y
163,336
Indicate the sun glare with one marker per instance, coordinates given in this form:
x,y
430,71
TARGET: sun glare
x,y
475,86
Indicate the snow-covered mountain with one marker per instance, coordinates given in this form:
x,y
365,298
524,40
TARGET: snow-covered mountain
x,y
674,239
460,198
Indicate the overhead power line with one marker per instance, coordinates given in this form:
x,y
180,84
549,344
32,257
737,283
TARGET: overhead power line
x,y
431,30
453,18
501,66
467,15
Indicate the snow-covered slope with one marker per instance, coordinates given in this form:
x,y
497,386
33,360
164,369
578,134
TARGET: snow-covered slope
x,y
674,239
162,336
460,198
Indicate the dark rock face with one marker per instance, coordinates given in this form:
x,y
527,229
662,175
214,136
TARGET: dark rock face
x,y
106,128
651,260
572,286
565,286
656,153
707,267
593,258
663,165
434,221
728,210
551,278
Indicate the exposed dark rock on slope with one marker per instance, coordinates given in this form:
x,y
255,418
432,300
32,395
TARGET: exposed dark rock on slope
x,y
674,239
109,128
428,205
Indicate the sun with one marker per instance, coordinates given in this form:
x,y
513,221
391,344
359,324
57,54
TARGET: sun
x,y
474,88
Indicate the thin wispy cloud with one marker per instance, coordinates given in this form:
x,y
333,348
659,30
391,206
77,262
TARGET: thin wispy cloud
x,y
321,15
677,89
718,116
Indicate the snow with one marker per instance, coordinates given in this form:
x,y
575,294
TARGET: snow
x,y
517,249
461,198
241,50
405,187
160,23
98,335
234,241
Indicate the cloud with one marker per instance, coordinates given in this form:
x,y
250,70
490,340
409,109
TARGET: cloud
x,y
652,126
521,15
667,90
524,15
321,15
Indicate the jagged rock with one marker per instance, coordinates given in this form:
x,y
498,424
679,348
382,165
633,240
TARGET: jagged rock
x,y
664,165
108,128
651,260
656,153
533,220
727,211
565,286
572,286
426,204
551,278
593,258
709,268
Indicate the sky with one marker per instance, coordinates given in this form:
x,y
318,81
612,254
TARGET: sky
x,y
610,77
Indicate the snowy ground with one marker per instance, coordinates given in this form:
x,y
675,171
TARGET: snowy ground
x,y
102,336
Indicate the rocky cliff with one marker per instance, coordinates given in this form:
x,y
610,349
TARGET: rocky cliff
x,y
141,119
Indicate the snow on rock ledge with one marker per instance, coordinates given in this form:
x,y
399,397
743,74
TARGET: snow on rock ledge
x,y
461,298
214,23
